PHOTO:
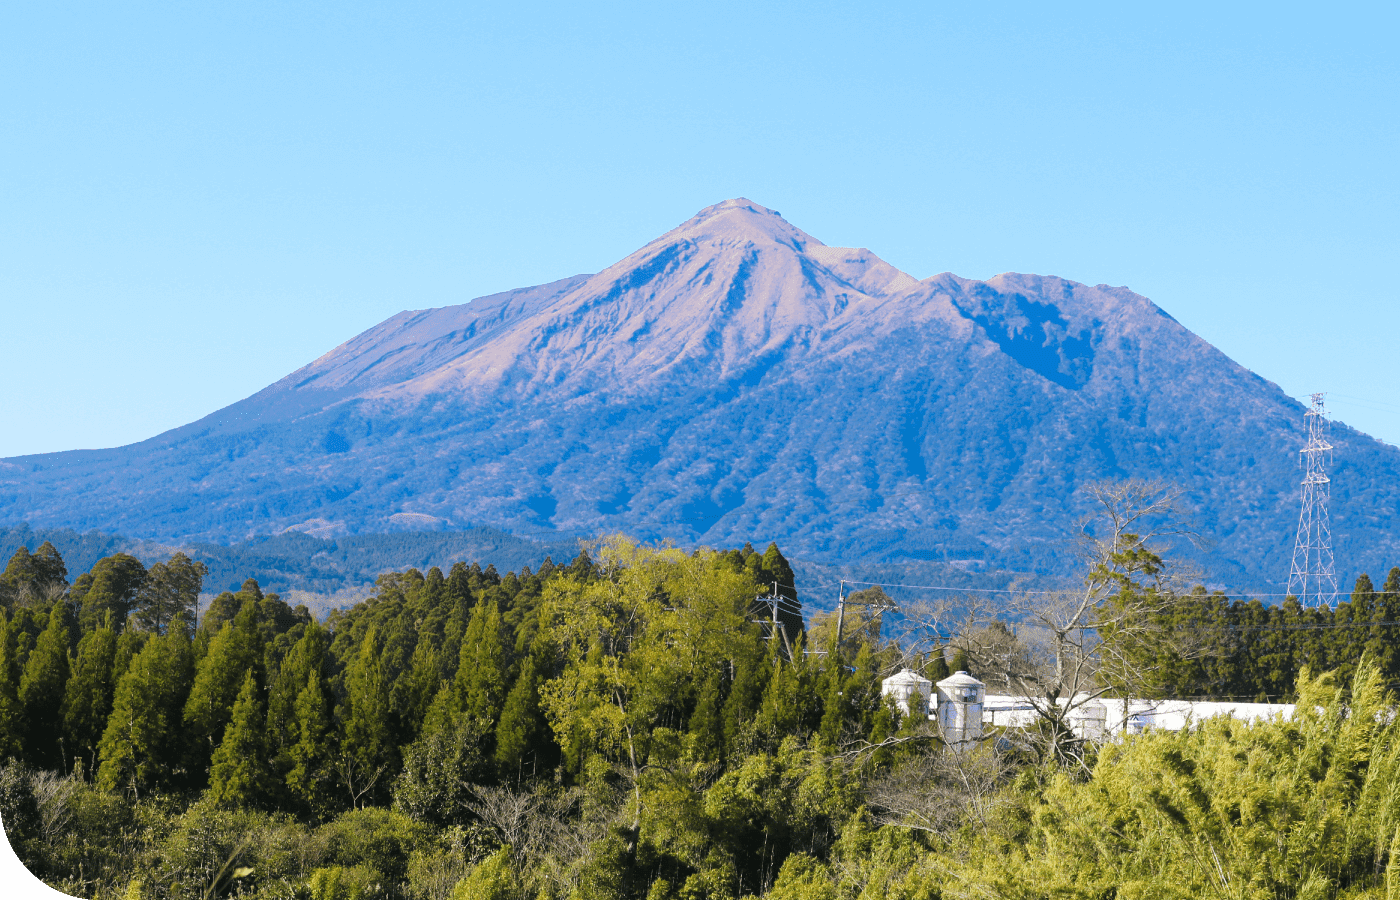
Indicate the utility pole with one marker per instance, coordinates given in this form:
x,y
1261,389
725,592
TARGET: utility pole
x,y
1313,578
779,626
778,629
840,613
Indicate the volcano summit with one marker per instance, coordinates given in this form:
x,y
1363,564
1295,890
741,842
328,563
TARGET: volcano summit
x,y
736,379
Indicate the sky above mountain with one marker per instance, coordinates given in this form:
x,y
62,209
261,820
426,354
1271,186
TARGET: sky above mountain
x,y
199,199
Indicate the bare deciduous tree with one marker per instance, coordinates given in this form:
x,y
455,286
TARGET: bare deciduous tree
x,y
939,790
1081,643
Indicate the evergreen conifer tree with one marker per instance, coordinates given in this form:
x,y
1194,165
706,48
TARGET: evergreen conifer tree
x,y
110,588
41,692
18,575
238,774
367,747
170,590
779,714
480,672
745,695
419,685
834,712
49,569
28,579
87,700
222,609
862,688
141,744
311,778
11,713
959,662
233,652
307,657
129,643
937,668
440,766
521,734
707,722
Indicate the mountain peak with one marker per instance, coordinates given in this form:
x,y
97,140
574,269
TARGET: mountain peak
x,y
739,221
743,203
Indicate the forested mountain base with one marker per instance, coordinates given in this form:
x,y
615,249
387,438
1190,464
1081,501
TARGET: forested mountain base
x,y
628,726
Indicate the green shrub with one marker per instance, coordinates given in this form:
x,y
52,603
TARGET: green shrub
x,y
802,877
382,839
346,883
19,811
491,879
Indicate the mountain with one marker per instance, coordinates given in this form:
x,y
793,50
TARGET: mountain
x,y
736,379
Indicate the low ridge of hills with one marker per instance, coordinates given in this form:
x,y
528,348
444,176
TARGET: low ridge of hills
x,y
737,380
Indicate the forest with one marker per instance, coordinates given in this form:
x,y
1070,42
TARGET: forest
x,y
639,723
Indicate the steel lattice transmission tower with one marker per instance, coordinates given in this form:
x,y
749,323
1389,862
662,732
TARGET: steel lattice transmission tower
x,y
1314,577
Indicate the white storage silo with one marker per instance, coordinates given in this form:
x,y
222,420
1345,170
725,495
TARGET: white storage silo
x,y
960,701
910,691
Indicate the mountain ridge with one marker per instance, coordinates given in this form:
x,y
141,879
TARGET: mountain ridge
x,y
738,371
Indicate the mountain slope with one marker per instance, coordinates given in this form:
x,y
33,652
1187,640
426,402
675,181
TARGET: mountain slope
x,y
735,380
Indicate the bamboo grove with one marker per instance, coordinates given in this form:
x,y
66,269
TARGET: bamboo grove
x,y
628,726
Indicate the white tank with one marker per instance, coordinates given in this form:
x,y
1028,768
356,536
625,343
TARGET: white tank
x,y
910,691
960,701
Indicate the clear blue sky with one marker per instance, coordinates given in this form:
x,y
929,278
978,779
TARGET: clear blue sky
x,y
198,198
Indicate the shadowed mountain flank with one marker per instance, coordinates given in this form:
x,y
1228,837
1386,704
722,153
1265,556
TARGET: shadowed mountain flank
x,y
736,379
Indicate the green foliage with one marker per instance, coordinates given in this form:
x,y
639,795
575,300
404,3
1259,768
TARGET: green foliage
x,y
308,656
233,653
41,691
311,777
342,883
109,589
169,592
493,878
141,746
522,736
19,810
1215,648
1304,807
480,675
87,699
382,840
707,723
33,579
367,747
440,766
803,877
221,610
12,731
238,774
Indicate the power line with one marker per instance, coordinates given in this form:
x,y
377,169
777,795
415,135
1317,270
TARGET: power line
x,y
976,590
1376,405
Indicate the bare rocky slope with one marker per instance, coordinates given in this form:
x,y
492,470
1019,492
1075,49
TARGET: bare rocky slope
x,y
736,380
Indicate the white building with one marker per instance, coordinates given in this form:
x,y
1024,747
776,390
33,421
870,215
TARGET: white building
x,y
962,708
1107,717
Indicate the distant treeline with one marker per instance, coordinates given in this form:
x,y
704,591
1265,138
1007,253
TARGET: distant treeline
x,y
1249,651
294,560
